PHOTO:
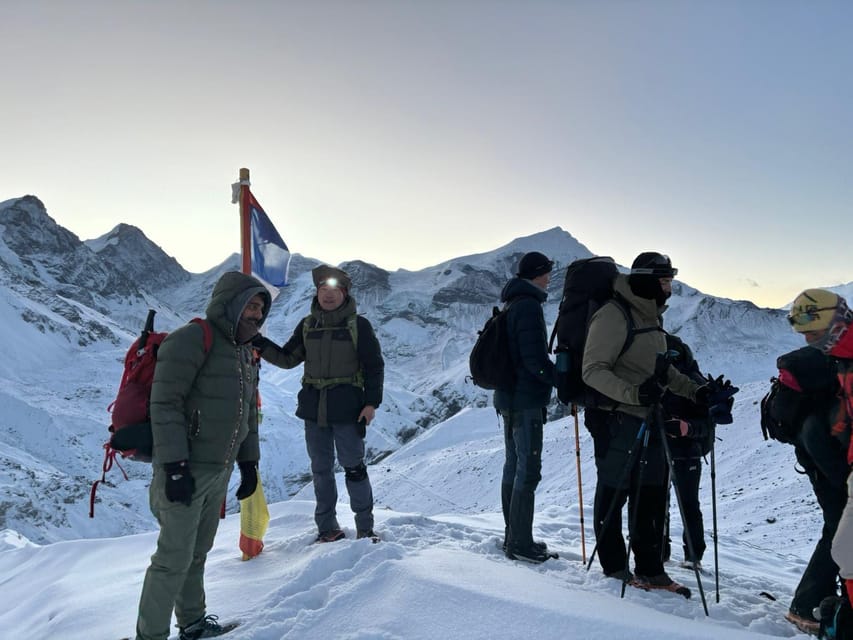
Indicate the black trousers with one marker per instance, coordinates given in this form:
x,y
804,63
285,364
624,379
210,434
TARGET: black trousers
x,y
615,435
688,473
820,455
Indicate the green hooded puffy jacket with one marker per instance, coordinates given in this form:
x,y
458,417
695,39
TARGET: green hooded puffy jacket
x,y
204,405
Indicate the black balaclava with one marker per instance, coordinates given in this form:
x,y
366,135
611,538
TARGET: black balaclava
x,y
646,271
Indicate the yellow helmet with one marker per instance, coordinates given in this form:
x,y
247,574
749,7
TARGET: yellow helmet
x,y
814,310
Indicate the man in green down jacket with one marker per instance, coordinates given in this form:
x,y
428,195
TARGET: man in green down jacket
x,y
204,416
341,389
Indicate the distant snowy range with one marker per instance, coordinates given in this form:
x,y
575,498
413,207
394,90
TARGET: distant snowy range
x,y
69,310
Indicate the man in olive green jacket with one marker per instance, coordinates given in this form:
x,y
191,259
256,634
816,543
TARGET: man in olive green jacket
x,y
632,384
204,417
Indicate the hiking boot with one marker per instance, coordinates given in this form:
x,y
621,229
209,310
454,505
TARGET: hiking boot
x,y
542,546
367,533
803,623
623,575
206,627
661,581
826,609
332,535
532,553
689,564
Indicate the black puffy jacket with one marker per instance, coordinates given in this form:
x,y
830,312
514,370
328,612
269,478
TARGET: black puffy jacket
x,y
528,344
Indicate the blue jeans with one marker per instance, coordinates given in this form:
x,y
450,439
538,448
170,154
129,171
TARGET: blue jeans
x,y
521,474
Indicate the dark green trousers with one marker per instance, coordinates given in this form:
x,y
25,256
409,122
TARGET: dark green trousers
x,y
175,578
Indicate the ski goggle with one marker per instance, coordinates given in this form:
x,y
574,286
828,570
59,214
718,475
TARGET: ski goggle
x,y
809,314
661,268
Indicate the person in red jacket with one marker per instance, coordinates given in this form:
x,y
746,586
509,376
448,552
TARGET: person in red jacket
x,y
824,319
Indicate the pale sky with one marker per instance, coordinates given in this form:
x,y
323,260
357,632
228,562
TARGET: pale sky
x,y
406,133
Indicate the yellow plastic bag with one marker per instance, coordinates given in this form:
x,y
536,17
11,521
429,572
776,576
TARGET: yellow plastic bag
x,y
254,520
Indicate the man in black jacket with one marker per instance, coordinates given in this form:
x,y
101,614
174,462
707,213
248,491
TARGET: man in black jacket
x,y
341,390
691,431
523,407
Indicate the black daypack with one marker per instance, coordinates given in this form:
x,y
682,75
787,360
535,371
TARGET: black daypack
x,y
783,408
588,286
490,363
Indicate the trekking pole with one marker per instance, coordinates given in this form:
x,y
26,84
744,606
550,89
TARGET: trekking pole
x,y
580,482
674,480
634,509
629,462
665,539
714,515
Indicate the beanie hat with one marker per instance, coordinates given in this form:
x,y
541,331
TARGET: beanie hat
x,y
533,265
821,310
331,276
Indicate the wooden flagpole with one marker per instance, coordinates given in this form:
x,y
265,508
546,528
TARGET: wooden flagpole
x,y
245,223
254,515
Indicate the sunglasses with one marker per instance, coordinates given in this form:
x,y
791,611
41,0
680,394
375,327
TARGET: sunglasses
x,y
809,314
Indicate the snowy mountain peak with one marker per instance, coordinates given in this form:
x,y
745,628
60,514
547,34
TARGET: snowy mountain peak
x,y
29,230
556,243
40,258
138,258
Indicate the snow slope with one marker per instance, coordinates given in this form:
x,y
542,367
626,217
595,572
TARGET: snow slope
x,y
439,571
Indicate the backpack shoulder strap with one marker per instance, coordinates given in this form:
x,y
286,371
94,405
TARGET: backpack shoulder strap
x,y
631,328
207,332
308,323
352,325
624,307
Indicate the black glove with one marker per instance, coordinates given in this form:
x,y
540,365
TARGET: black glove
x,y
721,413
715,391
722,386
361,428
248,479
179,482
260,343
649,392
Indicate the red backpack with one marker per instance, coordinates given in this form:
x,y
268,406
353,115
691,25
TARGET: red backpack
x,y
131,421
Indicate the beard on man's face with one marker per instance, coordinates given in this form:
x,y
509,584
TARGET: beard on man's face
x,y
247,329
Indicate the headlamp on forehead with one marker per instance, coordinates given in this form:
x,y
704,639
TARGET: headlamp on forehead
x,y
330,282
